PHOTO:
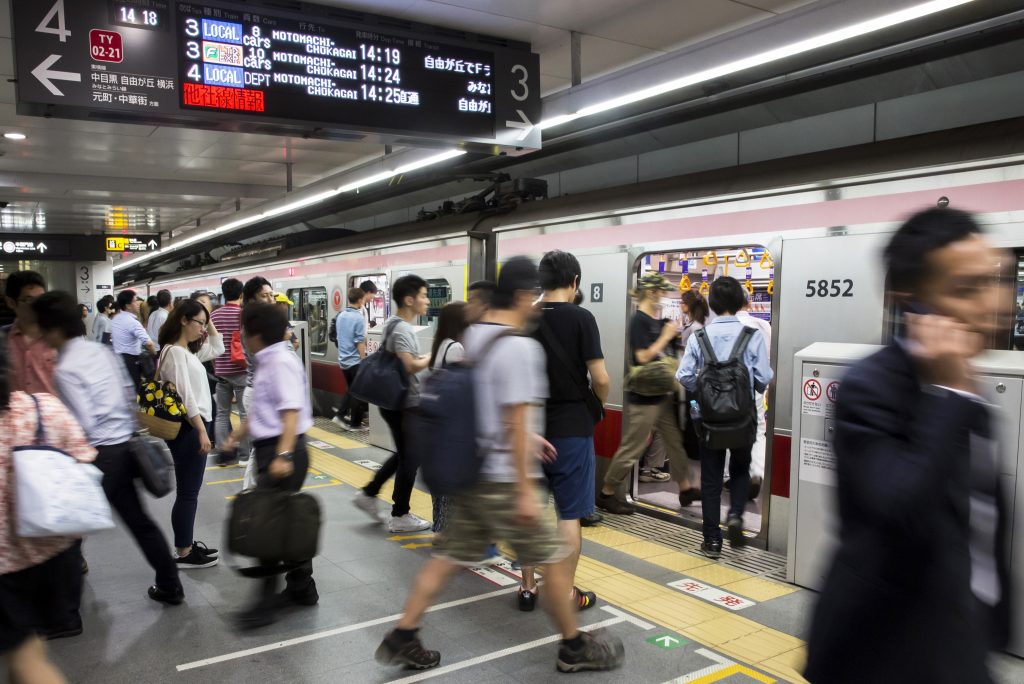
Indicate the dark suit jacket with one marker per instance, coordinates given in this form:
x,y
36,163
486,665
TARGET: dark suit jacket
x,y
897,604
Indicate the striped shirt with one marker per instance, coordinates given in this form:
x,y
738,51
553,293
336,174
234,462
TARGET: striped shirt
x,y
228,320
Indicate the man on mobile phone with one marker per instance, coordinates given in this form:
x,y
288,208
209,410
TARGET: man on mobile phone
x,y
921,563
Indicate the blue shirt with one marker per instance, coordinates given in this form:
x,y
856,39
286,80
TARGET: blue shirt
x,y
351,331
722,333
95,387
127,334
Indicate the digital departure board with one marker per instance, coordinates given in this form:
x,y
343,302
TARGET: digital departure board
x,y
255,66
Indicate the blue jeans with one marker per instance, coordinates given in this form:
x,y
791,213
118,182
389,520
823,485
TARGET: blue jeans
x,y
712,468
189,469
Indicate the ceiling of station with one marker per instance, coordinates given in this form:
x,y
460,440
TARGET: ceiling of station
x,y
86,176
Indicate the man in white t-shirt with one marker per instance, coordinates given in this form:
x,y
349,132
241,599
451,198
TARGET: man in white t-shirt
x,y
508,501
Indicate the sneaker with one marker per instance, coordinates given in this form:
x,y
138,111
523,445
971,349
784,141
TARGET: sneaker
x,y
599,651
647,475
584,599
203,548
594,518
712,550
755,487
338,420
411,654
612,504
173,597
735,530
527,599
195,559
370,505
492,556
408,523
688,497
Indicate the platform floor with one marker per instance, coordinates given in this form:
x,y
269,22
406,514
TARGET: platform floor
x,y
682,617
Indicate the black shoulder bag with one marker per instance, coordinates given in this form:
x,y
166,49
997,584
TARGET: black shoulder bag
x,y
594,406
382,379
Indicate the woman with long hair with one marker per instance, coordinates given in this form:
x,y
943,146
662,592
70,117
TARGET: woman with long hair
x,y
696,310
447,348
182,353
36,574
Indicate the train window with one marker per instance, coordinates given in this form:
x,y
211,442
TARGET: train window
x,y
378,309
309,304
1017,334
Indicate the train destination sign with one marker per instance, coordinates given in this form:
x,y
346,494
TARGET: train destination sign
x,y
246,66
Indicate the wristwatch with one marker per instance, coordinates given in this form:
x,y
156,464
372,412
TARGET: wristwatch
x,y
286,455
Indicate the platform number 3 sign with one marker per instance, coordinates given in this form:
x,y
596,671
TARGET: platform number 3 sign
x,y
597,293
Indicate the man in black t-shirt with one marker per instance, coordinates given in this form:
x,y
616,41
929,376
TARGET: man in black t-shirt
x,y
572,343
650,339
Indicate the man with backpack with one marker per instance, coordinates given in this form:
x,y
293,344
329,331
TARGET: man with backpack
x,y
231,366
725,363
399,338
505,502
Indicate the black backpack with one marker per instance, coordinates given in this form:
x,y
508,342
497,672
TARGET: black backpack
x,y
332,332
727,408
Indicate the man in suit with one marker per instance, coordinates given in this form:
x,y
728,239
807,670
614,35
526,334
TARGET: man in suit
x,y
919,589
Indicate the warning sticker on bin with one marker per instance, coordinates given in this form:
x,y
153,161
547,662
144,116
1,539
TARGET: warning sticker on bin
x,y
818,397
817,462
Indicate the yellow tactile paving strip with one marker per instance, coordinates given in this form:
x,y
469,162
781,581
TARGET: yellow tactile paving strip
x,y
749,642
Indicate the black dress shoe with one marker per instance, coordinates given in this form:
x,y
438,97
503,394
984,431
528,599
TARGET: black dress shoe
x,y
527,599
688,497
172,597
755,488
712,550
594,518
307,597
612,504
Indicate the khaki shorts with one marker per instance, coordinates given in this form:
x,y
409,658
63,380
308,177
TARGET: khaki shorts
x,y
485,515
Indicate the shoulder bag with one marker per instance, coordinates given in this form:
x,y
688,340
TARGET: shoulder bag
x,y
161,410
594,406
273,525
382,379
56,495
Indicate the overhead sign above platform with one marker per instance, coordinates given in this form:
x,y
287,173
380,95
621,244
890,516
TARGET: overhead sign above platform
x,y
51,247
257,67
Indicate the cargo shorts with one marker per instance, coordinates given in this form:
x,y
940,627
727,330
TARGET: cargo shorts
x,y
486,514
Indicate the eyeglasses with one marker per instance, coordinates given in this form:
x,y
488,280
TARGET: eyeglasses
x,y
196,320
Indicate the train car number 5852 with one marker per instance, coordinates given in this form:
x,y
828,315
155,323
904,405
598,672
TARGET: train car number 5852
x,y
830,288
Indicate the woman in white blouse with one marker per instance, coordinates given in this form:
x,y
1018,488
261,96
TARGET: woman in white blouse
x,y
182,354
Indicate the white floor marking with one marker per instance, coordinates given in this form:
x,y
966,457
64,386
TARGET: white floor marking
x,y
331,632
632,619
463,664
492,575
721,663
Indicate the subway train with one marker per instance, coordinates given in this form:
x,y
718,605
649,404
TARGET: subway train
x,y
808,251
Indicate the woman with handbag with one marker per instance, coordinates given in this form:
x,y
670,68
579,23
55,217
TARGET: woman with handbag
x,y
181,363
650,399
36,574
96,388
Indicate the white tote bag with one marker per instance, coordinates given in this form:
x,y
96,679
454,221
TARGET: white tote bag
x,y
55,495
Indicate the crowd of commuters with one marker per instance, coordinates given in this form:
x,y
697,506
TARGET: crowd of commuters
x,y
540,384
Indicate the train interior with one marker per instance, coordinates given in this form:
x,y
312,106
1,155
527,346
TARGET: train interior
x,y
694,270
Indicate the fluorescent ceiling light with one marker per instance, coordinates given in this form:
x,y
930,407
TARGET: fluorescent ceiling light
x,y
292,206
760,59
15,136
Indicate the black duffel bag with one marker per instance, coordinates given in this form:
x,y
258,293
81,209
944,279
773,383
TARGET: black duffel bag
x,y
382,379
155,463
274,526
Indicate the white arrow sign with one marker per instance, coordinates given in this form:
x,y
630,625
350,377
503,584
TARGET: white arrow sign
x,y
524,123
152,244
42,248
46,75
667,641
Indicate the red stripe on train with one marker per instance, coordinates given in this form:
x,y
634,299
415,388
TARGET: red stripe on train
x,y
329,378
